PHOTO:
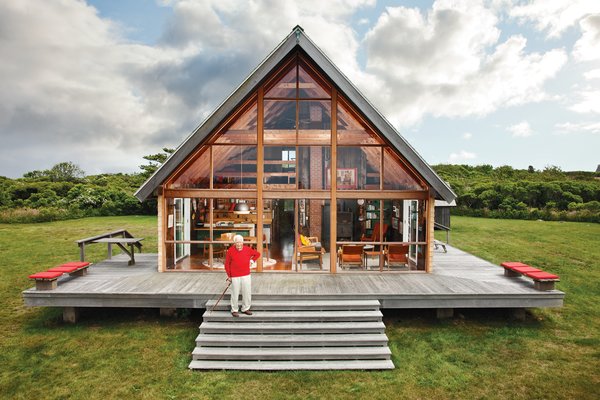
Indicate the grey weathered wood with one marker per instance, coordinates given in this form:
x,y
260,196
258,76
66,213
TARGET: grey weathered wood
x,y
304,337
458,280
444,313
296,316
293,365
71,314
292,327
286,353
305,305
95,239
297,340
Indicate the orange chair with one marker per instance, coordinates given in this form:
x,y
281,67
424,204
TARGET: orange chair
x,y
375,234
396,254
350,254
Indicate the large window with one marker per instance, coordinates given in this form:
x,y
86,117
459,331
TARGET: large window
x,y
374,229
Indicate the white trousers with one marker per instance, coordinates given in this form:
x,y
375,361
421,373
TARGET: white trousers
x,y
245,284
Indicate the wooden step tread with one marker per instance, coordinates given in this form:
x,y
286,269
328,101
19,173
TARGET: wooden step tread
x,y
280,316
359,339
303,304
297,353
293,365
292,327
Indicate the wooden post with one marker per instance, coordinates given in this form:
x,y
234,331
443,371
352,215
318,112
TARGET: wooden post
x,y
444,313
430,210
260,156
161,233
70,314
332,179
168,312
82,251
518,314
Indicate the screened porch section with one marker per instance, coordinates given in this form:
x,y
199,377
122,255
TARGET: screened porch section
x,y
303,177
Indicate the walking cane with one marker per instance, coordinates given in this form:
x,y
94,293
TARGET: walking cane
x,y
222,294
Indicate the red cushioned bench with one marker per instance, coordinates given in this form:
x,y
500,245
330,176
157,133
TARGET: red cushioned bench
x,y
45,280
75,268
541,280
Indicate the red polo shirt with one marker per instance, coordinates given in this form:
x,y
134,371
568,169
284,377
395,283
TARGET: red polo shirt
x,y
237,263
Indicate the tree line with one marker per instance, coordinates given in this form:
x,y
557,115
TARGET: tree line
x,y
64,191
505,192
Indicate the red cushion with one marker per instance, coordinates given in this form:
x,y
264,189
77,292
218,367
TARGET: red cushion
x,y
524,270
78,264
352,257
512,264
540,276
45,275
63,269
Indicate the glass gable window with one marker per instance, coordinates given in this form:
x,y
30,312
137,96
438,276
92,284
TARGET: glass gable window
x,y
234,167
352,131
358,168
280,121
375,230
313,167
285,87
310,88
280,167
395,175
243,129
196,175
314,122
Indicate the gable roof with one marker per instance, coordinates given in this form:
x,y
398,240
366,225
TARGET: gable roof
x,y
297,38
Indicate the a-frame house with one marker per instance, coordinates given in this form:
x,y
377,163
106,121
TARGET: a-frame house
x,y
301,164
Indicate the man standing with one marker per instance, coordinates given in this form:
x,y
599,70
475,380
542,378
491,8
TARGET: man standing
x,y
237,267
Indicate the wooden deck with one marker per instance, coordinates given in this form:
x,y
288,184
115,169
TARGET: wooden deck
x,y
459,280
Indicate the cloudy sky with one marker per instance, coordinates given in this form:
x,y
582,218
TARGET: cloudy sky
x,y
102,83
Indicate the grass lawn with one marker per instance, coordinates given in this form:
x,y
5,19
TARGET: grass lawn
x,y
116,354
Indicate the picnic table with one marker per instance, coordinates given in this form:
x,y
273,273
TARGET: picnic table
x,y
132,242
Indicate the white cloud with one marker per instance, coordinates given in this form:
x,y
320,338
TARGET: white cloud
x,y
589,102
449,63
72,78
69,81
554,16
363,21
463,155
581,127
467,135
522,129
593,74
587,48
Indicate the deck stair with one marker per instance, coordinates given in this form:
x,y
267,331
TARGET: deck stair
x,y
294,335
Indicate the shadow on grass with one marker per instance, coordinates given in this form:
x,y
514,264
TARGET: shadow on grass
x,y
492,317
52,318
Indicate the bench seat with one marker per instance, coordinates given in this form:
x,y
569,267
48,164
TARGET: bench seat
x,y
45,280
512,264
513,269
75,268
541,280
78,264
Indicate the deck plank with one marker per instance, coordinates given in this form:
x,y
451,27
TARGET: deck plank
x,y
458,277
